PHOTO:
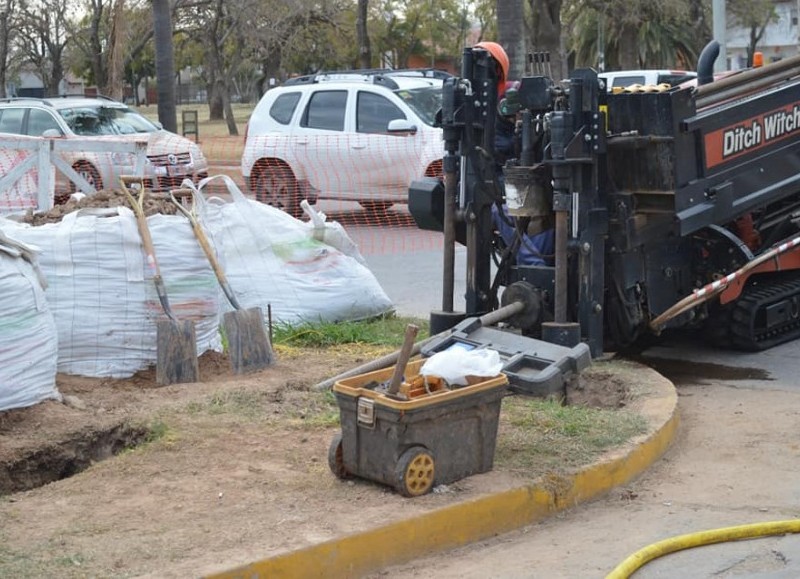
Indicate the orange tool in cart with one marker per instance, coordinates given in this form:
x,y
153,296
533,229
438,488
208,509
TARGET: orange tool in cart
x,y
428,434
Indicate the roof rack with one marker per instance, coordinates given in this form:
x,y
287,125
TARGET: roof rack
x,y
380,76
84,96
423,72
344,76
46,100
25,98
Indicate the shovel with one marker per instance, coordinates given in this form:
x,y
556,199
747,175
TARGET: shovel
x,y
176,360
248,343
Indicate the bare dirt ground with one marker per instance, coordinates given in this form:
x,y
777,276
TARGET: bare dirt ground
x,y
232,470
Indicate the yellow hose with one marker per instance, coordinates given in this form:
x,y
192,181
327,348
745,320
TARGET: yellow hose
x,y
643,556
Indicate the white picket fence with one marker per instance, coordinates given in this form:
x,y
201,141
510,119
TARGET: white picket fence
x,y
28,167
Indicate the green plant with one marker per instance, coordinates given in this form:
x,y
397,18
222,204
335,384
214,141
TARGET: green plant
x,y
157,430
539,436
381,331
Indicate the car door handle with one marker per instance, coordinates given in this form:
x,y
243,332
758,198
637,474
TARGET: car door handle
x,y
302,142
359,146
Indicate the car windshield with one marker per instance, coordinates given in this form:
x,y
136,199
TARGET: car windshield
x,y
104,120
425,101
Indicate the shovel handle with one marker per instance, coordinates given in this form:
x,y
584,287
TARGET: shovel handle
x,y
202,239
402,360
137,204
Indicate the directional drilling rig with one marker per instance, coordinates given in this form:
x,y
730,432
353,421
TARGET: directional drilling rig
x,y
669,207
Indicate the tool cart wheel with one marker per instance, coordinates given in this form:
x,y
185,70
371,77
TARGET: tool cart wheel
x,y
335,458
415,472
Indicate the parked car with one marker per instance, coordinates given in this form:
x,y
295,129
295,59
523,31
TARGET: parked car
x,y
623,78
170,158
356,135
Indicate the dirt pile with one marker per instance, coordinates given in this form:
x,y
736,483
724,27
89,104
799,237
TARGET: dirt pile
x,y
154,203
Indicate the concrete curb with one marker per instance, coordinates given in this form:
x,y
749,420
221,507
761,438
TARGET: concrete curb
x,y
470,521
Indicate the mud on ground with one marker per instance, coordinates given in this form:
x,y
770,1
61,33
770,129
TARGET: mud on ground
x,y
231,469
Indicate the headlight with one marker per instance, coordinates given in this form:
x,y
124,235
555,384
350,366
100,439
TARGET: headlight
x,y
123,159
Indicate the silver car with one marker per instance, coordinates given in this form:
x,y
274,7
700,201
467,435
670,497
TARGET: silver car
x,y
170,158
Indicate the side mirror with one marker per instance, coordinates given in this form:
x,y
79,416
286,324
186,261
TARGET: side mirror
x,y
52,133
402,126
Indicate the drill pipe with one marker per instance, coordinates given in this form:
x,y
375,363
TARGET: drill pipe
x,y
742,83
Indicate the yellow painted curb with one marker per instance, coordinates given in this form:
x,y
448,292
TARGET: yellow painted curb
x,y
466,522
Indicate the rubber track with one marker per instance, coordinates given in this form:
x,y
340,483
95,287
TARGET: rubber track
x,y
743,332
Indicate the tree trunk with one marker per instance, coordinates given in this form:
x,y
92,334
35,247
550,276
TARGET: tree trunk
x,y
96,48
216,106
3,51
165,65
230,120
546,34
56,75
364,51
511,34
697,16
116,40
629,47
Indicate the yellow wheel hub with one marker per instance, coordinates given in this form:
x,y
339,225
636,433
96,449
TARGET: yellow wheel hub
x,y
419,474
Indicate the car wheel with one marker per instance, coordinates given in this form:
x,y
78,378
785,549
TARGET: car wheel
x,y
275,185
88,172
376,206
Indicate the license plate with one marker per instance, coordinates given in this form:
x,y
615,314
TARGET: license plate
x,y
174,170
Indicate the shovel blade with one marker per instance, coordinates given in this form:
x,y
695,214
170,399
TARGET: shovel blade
x,y
248,343
176,359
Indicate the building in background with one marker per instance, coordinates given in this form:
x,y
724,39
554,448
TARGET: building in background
x,y
781,37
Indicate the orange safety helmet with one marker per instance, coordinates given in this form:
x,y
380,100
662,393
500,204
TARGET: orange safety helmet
x,y
499,54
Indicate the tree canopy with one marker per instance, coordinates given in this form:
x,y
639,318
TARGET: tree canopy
x,y
235,47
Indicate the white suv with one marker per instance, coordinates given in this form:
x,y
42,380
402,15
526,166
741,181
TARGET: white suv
x,y
358,136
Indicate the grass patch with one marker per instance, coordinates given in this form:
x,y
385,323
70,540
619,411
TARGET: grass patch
x,y
23,566
285,407
538,436
158,430
239,401
380,331
205,126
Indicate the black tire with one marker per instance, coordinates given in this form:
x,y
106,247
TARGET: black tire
x,y
415,472
376,206
275,185
88,172
336,460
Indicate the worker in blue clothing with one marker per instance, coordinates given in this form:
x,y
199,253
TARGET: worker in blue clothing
x,y
536,244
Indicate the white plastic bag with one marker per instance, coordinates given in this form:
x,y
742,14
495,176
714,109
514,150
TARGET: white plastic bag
x,y
455,364
273,260
331,233
28,338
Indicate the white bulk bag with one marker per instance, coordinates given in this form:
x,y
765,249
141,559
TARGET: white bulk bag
x,y
271,258
28,342
102,294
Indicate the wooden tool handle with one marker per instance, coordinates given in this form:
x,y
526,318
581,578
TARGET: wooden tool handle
x,y
205,244
137,204
402,360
